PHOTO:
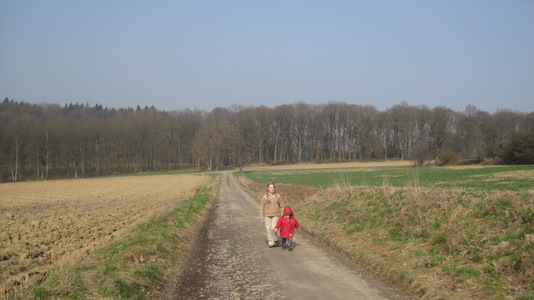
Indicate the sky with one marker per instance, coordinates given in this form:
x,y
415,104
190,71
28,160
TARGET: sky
x,y
177,55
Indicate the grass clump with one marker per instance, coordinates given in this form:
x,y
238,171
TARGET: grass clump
x,y
133,265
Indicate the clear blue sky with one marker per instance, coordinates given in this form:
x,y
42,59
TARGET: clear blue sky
x,y
207,54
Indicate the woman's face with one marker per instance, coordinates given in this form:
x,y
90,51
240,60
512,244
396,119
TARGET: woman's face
x,y
271,188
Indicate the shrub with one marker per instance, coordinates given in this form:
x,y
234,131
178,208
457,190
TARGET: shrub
x,y
520,151
447,157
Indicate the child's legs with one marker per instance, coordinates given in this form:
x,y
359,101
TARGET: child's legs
x,y
270,223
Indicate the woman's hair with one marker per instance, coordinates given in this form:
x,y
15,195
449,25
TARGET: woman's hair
x,y
267,189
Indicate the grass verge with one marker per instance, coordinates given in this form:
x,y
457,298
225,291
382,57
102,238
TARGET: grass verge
x,y
451,243
132,266
440,244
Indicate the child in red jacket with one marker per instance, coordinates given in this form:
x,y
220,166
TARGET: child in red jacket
x,y
287,224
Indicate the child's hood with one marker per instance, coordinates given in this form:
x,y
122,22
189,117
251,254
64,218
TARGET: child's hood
x,y
287,210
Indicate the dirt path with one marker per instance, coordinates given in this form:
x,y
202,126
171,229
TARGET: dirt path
x,y
231,260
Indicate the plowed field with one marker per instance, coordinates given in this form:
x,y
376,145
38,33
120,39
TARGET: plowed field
x,y
349,165
50,222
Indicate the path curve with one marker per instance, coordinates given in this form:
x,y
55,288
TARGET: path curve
x,y
231,260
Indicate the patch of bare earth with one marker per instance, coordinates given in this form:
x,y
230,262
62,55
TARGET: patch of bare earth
x,y
525,174
292,193
53,222
341,165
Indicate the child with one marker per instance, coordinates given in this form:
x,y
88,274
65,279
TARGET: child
x,y
287,224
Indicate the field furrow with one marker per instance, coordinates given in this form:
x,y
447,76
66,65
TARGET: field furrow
x,y
51,222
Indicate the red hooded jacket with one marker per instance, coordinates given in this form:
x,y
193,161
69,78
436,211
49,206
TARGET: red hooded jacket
x,y
287,226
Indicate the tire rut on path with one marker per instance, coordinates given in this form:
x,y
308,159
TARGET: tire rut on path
x,y
230,260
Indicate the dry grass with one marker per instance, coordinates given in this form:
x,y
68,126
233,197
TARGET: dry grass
x,y
516,174
347,165
436,244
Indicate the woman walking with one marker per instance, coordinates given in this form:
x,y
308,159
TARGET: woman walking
x,y
271,209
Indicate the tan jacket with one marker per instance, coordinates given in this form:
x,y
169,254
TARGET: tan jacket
x,y
271,206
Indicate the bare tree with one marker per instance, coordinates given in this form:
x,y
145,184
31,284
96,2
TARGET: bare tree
x,y
365,122
215,143
246,125
422,147
262,114
403,129
441,131
383,134
469,134
301,128
282,122
318,135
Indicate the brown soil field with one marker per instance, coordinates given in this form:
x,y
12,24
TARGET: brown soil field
x,y
53,222
307,166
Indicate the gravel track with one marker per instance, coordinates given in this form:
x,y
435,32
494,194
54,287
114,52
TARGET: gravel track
x,y
230,260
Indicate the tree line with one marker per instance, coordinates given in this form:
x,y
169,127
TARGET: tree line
x,y
76,140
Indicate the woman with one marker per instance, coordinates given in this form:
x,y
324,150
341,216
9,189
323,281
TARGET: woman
x,y
270,211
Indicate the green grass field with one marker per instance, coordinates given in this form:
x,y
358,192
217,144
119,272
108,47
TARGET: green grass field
x,y
490,178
